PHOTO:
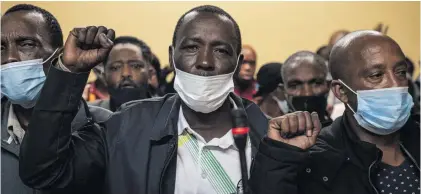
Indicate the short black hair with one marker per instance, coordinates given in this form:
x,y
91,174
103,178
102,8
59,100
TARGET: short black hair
x,y
144,48
54,28
214,10
302,56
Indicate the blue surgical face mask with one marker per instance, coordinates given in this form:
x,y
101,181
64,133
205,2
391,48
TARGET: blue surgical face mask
x,y
21,82
382,111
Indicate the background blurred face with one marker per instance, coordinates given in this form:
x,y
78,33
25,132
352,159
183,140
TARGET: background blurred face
x,y
205,45
24,36
305,79
248,67
379,63
126,67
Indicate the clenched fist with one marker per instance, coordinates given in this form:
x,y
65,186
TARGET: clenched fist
x,y
87,47
298,129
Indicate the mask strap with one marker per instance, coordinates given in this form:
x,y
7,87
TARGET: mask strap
x,y
350,108
52,55
347,86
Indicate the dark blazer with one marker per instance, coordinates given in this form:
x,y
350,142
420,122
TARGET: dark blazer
x,y
133,152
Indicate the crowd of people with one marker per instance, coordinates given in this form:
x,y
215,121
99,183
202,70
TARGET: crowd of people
x,y
95,113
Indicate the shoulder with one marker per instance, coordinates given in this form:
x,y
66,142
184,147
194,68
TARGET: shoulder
x,y
96,102
148,103
99,114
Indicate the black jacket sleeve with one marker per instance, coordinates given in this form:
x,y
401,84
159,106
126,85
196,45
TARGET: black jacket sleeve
x,y
51,156
276,168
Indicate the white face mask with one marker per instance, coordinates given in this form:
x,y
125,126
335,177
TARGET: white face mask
x,y
203,94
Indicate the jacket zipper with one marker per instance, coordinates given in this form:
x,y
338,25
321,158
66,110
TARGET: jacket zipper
x,y
410,156
167,161
369,174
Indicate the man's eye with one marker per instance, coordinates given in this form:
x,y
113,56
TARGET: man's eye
x,y
191,48
28,44
222,51
375,75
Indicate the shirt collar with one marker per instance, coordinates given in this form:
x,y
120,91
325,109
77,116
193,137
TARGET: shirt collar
x,y
14,128
224,142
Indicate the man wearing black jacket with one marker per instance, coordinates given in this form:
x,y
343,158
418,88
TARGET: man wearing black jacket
x,y
373,148
181,143
30,36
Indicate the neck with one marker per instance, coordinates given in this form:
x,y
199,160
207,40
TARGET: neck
x,y
23,115
211,125
388,144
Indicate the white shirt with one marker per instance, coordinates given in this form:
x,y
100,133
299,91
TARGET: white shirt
x,y
189,177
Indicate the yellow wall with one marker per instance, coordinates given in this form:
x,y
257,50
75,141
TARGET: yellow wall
x,y
275,29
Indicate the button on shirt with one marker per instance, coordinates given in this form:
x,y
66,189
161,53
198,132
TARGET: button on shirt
x,y
190,177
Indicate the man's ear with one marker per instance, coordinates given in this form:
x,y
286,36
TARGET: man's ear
x,y
170,54
339,91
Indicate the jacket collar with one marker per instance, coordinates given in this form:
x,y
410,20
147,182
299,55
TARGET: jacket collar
x,y
165,126
343,141
12,147
338,144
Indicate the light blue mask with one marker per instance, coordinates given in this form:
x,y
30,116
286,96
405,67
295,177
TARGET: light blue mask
x,y
382,111
21,82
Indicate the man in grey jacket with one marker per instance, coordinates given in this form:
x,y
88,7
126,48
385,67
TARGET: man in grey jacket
x,y
30,37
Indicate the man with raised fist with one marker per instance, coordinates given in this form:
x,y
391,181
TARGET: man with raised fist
x,y
180,143
372,148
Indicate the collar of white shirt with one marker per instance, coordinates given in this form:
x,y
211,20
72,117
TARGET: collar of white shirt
x,y
14,128
224,142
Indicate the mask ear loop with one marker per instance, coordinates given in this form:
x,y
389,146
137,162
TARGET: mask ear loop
x,y
53,55
351,91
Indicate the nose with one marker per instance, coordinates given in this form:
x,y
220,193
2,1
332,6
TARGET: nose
x,y
12,55
205,60
246,67
394,81
127,71
307,90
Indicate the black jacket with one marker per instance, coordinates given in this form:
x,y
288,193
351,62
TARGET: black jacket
x,y
10,181
133,152
339,163
101,103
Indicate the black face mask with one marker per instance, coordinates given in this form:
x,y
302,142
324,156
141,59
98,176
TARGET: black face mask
x,y
119,96
310,103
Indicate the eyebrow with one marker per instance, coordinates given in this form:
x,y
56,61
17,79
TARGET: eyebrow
x,y
400,63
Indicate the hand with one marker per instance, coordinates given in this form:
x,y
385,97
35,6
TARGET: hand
x,y
298,129
87,47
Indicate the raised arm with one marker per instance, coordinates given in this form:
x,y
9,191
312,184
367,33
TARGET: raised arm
x,y
51,155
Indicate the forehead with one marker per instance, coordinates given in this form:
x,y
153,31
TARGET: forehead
x,y
380,51
206,26
304,70
24,23
248,54
125,50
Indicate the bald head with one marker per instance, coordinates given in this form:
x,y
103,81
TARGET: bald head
x,y
360,48
303,59
249,53
304,74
